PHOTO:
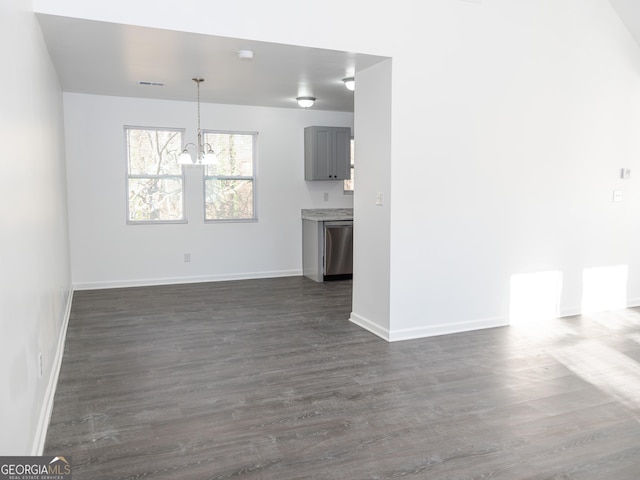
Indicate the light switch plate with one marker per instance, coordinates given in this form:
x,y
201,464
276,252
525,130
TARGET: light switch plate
x,y
617,196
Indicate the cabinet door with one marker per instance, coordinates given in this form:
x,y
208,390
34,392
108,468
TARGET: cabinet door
x,y
327,153
342,155
323,154
317,151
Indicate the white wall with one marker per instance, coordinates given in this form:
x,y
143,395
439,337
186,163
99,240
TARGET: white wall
x,y
533,109
509,123
34,259
107,252
371,247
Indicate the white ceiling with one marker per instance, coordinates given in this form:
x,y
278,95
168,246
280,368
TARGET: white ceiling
x,y
629,12
110,59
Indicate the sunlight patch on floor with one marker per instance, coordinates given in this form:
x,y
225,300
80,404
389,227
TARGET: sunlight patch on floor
x,y
611,371
618,320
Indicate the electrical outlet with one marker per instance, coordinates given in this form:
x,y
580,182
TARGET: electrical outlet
x,y
187,257
326,196
617,196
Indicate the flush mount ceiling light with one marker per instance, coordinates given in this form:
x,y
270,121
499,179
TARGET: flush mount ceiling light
x,y
350,83
306,102
203,157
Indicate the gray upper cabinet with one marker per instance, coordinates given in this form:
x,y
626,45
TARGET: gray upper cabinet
x,y
327,153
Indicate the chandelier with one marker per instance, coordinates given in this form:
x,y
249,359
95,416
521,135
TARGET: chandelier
x,y
203,157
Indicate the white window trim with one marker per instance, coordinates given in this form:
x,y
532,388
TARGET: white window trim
x,y
127,177
351,165
254,178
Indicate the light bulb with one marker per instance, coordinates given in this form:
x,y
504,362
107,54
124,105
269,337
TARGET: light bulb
x,y
185,158
306,102
350,83
209,158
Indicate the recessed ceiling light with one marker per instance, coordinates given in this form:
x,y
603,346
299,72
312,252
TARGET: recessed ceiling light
x,y
151,84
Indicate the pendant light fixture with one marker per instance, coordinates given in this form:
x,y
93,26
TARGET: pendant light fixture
x,y
203,157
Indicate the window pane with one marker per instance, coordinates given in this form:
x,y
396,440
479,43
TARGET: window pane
x,y
229,199
348,184
155,199
153,152
234,151
230,183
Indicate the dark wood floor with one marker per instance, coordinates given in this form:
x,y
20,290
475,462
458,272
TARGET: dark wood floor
x,y
266,379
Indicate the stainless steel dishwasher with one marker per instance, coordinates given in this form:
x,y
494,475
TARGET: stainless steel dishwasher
x,y
338,250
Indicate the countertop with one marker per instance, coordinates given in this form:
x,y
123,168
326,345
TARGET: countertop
x,y
327,214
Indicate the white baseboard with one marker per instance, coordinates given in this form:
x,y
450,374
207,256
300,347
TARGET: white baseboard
x,y
427,331
50,392
447,328
633,302
570,312
148,282
370,326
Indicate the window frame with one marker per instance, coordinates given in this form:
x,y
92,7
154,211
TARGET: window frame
x,y
128,176
253,178
352,169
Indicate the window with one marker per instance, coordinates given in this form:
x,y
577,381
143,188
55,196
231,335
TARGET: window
x,y
348,184
229,185
154,177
